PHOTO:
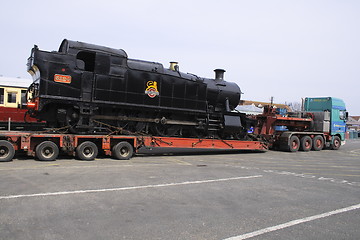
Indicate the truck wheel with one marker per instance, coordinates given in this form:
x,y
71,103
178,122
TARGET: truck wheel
x,y
123,151
47,151
318,143
336,143
294,144
305,143
87,151
7,151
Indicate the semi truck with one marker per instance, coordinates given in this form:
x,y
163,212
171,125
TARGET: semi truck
x,y
322,123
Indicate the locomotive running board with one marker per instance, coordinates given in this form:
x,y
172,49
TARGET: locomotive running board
x,y
150,120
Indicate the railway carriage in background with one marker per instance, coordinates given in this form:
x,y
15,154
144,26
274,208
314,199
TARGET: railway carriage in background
x,y
13,100
13,92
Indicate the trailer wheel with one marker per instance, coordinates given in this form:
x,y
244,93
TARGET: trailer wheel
x,y
305,143
123,151
336,143
47,151
7,151
87,151
294,144
318,143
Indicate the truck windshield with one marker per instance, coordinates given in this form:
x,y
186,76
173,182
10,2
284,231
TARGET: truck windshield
x,y
342,115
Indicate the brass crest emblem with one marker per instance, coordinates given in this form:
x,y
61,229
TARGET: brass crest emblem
x,y
151,89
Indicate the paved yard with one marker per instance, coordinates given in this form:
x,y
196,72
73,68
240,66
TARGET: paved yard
x,y
236,195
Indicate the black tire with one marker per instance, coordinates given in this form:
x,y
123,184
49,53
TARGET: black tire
x,y
87,151
47,151
294,144
318,143
7,151
306,143
123,151
336,143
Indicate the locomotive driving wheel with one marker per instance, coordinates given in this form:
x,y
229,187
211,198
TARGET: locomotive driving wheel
x,y
125,126
164,130
72,117
73,120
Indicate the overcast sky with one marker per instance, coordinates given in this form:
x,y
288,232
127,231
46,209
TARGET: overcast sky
x,y
287,49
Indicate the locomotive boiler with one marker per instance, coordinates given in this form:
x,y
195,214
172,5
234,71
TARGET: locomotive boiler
x,y
91,89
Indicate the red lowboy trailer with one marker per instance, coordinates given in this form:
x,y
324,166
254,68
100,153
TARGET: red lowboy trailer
x,y
47,146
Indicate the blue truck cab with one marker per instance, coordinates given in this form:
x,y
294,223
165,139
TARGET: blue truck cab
x,y
337,112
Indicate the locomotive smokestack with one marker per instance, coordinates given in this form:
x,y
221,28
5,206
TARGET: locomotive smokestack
x,y
174,66
219,74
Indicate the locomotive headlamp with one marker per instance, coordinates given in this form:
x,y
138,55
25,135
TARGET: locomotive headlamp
x,y
34,105
31,105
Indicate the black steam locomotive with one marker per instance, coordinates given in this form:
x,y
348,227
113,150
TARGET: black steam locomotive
x,y
91,89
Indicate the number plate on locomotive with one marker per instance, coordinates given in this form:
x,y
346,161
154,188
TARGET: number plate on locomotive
x,y
62,78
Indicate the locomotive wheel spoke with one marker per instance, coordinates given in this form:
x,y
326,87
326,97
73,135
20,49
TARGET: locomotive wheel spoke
x,y
167,130
72,117
72,121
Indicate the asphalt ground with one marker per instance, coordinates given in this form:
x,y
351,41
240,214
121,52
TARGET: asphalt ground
x,y
198,195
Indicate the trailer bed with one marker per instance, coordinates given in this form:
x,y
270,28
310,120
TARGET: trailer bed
x,y
47,146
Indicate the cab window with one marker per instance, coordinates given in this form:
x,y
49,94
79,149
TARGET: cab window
x,y
1,95
85,61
